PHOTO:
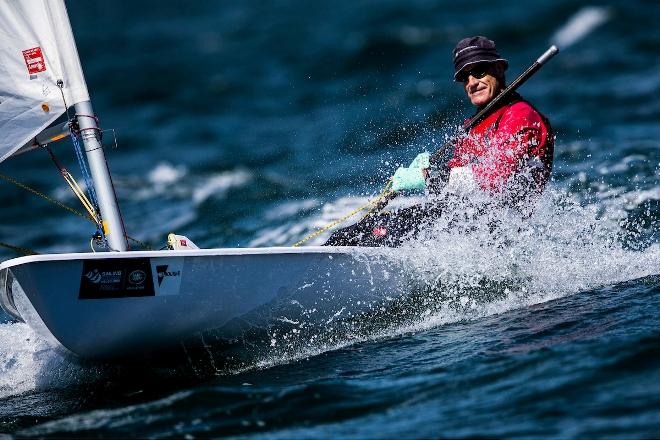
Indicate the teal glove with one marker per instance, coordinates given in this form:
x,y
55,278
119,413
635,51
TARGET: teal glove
x,y
408,178
421,161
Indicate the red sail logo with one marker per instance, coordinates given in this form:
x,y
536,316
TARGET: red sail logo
x,y
34,60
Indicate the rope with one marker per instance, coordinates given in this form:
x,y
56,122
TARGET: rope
x,y
61,205
75,188
42,195
19,250
93,214
84,170
144,245
60,84
373,203
92,206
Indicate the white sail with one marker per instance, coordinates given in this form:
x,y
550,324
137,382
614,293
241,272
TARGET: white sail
x,y
37,51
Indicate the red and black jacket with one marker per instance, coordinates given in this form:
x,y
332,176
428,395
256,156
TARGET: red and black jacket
x,y
510,152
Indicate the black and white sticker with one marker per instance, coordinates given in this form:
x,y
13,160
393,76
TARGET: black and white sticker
x,y
167,274
116,278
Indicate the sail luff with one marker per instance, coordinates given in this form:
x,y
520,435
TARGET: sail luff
x,y
75,86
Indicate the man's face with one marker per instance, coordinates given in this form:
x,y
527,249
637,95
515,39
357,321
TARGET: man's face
x,y
480,83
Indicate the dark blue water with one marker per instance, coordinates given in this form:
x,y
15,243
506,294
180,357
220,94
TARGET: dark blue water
x,y
252,123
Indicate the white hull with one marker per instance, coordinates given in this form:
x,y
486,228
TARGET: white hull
x,y
128,304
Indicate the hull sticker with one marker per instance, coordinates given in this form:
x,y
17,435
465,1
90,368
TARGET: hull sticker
x,y
116,278
167,273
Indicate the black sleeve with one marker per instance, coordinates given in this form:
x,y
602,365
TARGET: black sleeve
x,y
438,177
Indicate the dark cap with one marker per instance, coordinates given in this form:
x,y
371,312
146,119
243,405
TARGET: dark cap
x,y
474,50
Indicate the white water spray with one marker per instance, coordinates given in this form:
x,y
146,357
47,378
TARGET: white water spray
x,y
564,248
28,363
579,25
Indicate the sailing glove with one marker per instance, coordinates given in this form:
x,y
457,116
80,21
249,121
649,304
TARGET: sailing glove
x,y
423,161
408,179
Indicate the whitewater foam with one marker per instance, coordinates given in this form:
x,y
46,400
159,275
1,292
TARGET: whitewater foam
x,y
564,248
28,363
218,185
165,173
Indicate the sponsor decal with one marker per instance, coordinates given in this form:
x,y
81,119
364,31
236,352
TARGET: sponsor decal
x,y
94,276
167,274
137,277
162,272
34,60
116,278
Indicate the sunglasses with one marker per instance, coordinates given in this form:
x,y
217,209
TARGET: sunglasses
x,y
478,71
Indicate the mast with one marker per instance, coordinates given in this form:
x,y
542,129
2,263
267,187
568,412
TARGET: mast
x,y
113,226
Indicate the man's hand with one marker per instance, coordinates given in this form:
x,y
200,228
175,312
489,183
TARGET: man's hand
x,y
408,179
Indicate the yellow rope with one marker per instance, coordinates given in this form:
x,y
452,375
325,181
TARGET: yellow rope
x,y
144,245
77,190
19,250
42,195
61,205
93,214
373,203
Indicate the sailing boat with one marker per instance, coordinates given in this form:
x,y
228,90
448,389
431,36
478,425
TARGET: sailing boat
x,y
122,303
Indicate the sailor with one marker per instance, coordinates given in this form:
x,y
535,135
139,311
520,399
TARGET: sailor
x,y
507,156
